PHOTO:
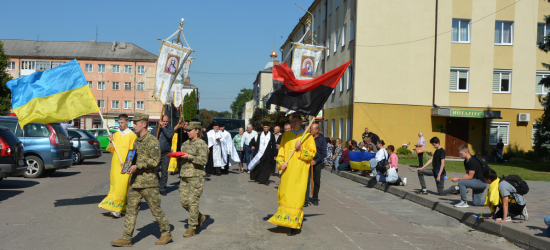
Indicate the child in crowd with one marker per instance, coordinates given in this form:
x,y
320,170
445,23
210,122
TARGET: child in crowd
x,y
504,196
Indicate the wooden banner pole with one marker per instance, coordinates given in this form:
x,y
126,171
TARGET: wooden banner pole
x,y
109,133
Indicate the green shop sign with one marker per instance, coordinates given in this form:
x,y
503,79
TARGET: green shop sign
x,y
467,113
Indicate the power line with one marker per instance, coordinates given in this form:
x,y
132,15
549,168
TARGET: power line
x,y
430,37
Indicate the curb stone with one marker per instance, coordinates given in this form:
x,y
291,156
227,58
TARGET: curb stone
x,y
512,234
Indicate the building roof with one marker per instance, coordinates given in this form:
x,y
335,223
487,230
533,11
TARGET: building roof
x,y
80,50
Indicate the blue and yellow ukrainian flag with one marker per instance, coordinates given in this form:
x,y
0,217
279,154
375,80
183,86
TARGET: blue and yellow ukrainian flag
x,y
54,95
360,160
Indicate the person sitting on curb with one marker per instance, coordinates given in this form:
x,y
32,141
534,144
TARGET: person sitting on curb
x,y
547,222
437,171
344,164
473,179
510,203
393,160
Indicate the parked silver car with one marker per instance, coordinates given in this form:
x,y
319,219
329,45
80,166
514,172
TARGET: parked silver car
x,y
84,145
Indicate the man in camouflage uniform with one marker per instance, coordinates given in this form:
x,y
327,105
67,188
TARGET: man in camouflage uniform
x,y
193,176
144,184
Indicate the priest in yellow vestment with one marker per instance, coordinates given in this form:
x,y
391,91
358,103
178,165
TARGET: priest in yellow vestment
x,y
293,185
117,198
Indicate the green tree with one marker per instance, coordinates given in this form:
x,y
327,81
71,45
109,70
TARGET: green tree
x,y
206,117
190,106
236,106
542,134
222,114
5,93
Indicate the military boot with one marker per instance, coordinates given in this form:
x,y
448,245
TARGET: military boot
x,y
189,233
163,240
202,218
121,243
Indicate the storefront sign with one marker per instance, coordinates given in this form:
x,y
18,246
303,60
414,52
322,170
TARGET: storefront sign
x,y
467,113
319,116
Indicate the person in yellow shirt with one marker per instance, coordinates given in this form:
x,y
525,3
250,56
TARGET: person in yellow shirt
x,y
117,198
293,185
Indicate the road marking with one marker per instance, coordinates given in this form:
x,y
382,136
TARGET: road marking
x,y
347,237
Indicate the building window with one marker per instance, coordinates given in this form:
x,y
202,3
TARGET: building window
x,y
116,86
459,80
116,68
335,40
504,33
100,85
325,127
140,105
101,103
329,45
542,31
56,64
344,35
29,65
90,84
341,83
348,128
127,104
341,129
337,4
127,69
43,65
497,131
114,104
89,68
11,65
535,128
350,76
127,86
141,69
101,68
351,30
332,128
502,81
329,7
139,86
319,19
461,31
541,89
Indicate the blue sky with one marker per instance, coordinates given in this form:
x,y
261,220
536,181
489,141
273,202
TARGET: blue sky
x,y
228,36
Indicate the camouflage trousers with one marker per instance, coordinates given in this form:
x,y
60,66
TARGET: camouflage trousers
x,y
190,193
152,197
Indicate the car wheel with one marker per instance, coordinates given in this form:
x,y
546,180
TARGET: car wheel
x,y
76,157
35,167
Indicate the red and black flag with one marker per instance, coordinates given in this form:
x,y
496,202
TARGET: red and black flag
x,y
304,96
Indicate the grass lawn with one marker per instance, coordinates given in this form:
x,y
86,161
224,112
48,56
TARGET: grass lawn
x,y
532,172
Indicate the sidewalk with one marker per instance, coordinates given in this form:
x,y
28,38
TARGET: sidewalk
x,y
526,234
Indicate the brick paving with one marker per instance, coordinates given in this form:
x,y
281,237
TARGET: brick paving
x,y
538,202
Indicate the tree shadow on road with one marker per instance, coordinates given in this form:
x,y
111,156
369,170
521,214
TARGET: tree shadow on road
x,y
17,183
84,163
95,199
149,229
6,194
57,174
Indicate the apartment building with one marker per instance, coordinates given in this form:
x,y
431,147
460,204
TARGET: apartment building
x,y
120,75
484,55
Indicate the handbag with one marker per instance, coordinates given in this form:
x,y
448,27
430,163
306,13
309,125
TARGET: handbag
x,y
392,175
381,165
420,150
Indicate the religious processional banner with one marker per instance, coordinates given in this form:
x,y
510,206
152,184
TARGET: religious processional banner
x,y
177,93
169,63
305,60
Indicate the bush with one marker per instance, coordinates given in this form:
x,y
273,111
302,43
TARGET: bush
x,y
412,156
404,151
519,161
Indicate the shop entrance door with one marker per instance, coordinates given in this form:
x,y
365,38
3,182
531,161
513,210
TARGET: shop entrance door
x,y
457,133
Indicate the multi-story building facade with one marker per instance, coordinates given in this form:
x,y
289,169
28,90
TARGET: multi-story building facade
x,y
120,75
484,55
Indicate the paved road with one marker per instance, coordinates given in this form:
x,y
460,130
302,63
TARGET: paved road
x,y
60,212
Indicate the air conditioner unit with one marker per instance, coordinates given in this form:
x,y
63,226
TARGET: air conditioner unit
x,y
524,117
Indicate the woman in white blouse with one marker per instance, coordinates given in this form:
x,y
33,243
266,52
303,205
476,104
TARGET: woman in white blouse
x,y
421,144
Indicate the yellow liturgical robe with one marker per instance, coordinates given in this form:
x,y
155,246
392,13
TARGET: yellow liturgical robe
x,y
117,198
293,185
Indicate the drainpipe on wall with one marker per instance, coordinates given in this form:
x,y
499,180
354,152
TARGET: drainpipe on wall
x,y
435,53
135,86
354,17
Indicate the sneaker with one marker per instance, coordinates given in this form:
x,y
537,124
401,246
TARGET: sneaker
x,y
371,175
507,219
524,213
457,190
116,215
462,204
422,191
404,181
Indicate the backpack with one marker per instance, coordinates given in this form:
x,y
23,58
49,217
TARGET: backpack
x,y
484,165
520,185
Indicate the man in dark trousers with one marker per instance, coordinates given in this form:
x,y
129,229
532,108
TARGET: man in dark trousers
x,y
265,152
165,136
278,137
316,164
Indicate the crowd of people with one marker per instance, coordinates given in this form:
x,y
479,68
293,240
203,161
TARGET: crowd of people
x,y
264,152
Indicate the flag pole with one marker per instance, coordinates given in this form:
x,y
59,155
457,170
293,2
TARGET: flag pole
x,y
109,133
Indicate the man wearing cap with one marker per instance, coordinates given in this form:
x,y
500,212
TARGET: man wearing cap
x,y
193,176
264,156
144,184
